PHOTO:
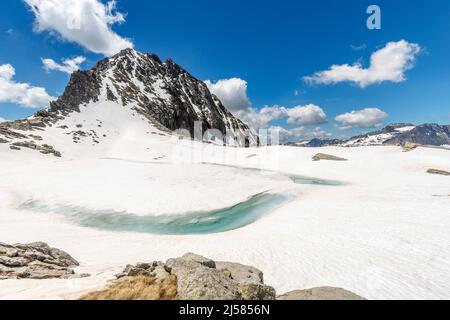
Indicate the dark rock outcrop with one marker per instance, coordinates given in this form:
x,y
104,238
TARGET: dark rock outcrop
x,y
44,148
165,93
438,172
35,261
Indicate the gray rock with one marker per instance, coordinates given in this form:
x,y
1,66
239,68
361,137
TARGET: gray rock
x,y
321,293
195,281
250,281
155,269
202,260
253,291
323,156
241,273
200,278
44,149
439,172
35,261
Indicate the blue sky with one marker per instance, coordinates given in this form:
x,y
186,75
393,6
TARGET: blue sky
x,y
271,45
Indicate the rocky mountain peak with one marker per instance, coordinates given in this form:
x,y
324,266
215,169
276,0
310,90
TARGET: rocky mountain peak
x,y
142,90
163,92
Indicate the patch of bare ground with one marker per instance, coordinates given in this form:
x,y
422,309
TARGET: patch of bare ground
x,y
138,288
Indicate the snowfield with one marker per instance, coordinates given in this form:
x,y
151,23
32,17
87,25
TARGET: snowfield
x,y
384,234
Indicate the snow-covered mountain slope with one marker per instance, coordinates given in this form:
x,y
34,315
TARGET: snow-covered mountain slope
x,y
427,134
128,95
378,137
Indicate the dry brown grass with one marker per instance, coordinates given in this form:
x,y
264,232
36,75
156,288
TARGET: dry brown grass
x,y
137,288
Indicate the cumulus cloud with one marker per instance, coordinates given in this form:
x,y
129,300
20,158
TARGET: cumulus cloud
x,y
232,92
366,118
21,93
306,115
68,65
300,115
259,119
85,22
2,120
387,64
299,134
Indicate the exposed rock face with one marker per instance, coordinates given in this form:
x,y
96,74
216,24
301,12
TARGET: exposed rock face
x,y
322,293
200,278
323,156
35,261
439,172
44,148
427,134
164,93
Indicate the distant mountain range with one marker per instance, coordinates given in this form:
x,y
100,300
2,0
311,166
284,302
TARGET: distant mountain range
x,y
394,134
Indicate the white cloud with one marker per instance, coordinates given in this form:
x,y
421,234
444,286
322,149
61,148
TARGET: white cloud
x,y
260,119
306,115
21,93
387,64
68,65
2,120
366,118
232,92
300,133
300,115
86,22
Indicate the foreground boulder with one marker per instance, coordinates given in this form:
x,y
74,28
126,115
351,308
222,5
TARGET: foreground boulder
x,y
194,278
35,261
323,156
322,293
